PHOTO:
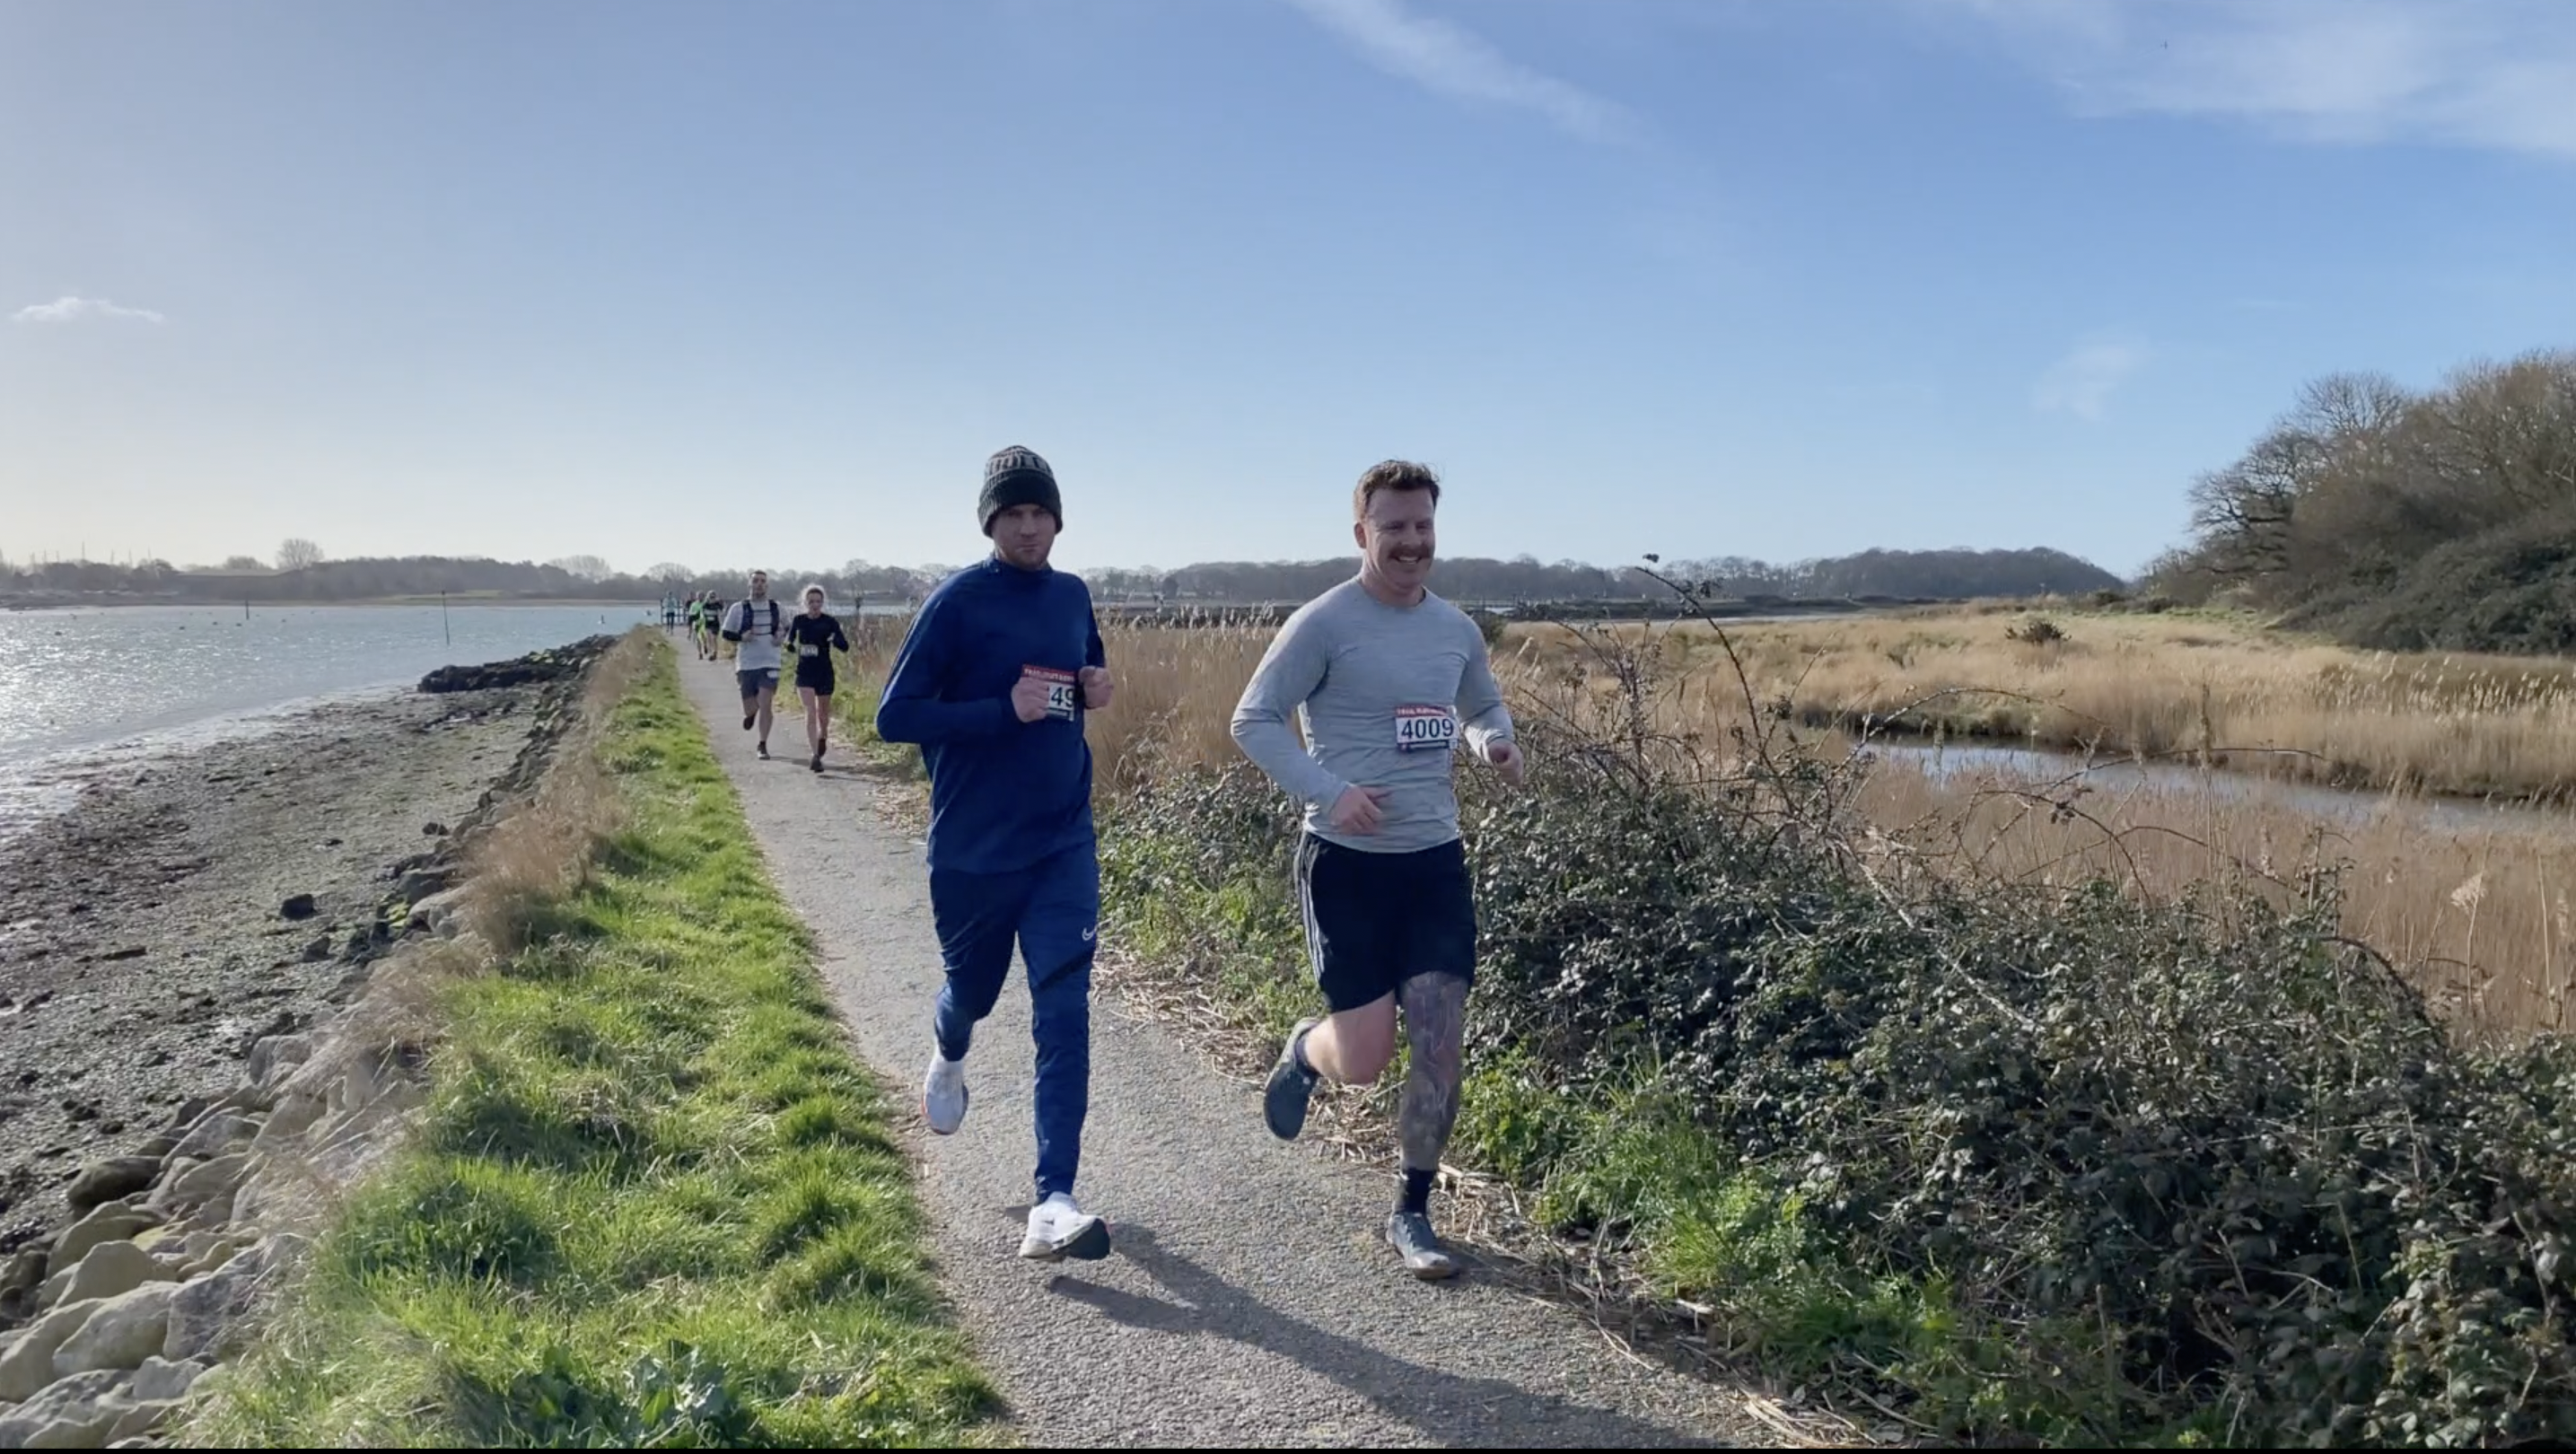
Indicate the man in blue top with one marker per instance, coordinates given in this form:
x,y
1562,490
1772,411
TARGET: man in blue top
x,y
1000,665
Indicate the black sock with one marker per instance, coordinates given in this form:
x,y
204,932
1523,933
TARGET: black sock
x,y
1417,1191
1297,1051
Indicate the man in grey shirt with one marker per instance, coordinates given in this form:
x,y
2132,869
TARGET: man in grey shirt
x,y
1387,681
757,627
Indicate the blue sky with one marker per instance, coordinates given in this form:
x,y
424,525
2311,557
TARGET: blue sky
x,y
764,282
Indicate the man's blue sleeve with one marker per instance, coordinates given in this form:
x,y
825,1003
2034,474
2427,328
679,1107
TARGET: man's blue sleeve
x,y
911,710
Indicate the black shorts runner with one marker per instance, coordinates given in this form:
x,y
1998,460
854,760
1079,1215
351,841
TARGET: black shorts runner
x,y
814,676
1375,920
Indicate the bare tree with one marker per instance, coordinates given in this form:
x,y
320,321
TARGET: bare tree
x,y
584,567
298,553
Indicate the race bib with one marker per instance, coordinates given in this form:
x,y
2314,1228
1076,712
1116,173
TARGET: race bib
x,y
1060,689
807,648
1425,729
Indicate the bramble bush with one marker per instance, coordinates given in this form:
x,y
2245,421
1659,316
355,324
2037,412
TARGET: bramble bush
x,y
2067,1165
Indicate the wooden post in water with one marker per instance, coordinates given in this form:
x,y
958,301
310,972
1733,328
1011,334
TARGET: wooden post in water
x,y
444,628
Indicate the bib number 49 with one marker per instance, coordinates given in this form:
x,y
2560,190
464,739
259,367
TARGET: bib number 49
x,y
1061,687
1425,729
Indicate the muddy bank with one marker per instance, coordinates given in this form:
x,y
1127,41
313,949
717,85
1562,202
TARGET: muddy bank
x,y
151,935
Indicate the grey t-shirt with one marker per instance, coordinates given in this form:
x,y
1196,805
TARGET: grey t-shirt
x,y
1384,694
758,649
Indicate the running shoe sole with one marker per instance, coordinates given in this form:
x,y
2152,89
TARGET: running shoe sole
x,y
1088,1245
1285,1099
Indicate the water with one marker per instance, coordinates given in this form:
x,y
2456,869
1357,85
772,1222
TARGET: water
x,y
85,691
2114,776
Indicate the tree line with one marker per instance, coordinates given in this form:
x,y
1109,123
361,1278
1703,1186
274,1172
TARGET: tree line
x,y
2435,520
304,574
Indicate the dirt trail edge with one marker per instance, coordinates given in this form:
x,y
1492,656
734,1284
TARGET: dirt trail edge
x,y
1247,1301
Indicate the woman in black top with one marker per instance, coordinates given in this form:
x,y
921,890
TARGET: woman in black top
x,y
813,637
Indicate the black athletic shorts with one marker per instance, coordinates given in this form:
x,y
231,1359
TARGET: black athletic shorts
x,y
1375,920
814,676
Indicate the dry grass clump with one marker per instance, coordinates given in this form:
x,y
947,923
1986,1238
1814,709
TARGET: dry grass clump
x,y
537,852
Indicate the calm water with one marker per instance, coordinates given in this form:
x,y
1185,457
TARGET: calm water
x,y
83,691
2115,776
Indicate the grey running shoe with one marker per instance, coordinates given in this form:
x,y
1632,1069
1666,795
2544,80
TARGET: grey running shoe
x,y
943,1095
1283,1101
1411,1235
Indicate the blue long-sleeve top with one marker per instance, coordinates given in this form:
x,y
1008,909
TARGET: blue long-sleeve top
x,y
1004,794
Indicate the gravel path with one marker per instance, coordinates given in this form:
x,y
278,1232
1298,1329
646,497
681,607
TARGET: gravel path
x,y
1248,1301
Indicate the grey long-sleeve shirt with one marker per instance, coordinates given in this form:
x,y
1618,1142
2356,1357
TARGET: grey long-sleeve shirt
x,y
1385,694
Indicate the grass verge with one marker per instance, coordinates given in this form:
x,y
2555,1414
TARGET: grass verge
x,y
652,1201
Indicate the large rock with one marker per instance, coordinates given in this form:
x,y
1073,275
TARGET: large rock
x,y
23,1271
205,1312
437,913
105,1181
28,1366
112,1269
220,1131
75,1413
295,1114
160,1380
121,1334
200,1186
111,1222
272,1059
422,883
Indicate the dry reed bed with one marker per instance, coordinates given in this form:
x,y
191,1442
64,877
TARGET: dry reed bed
x,y
2160,685
2481,918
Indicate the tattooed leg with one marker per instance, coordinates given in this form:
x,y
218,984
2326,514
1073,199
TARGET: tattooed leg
x,y
1435,1027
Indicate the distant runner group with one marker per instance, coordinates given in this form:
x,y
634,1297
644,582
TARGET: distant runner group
x,y
1387,685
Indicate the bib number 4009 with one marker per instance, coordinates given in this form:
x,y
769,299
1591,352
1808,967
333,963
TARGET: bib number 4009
x,y
1425,729
1060,687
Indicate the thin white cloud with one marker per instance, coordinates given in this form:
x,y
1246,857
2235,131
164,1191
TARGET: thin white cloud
x,y
2500,74
70,310
1450,61
2082,382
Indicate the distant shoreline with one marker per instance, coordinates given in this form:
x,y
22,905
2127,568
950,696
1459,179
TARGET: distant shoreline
x,y
217,603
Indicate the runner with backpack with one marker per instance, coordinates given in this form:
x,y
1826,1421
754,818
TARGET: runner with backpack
x,y
757,627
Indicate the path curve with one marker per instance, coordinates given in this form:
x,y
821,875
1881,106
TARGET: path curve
x,y
1248,1301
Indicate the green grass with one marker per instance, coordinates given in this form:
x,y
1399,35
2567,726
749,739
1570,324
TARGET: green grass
x,y
653,1202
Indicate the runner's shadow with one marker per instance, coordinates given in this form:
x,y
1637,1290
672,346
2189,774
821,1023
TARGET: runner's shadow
x,y
1425,1398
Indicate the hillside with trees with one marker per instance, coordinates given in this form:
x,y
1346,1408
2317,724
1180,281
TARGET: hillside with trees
x,y
306,575
2442,520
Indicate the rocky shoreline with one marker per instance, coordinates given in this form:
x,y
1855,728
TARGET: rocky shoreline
x,y
193,977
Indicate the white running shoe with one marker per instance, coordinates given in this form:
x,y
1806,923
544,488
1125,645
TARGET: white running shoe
x,y
943,1095
1058,1229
